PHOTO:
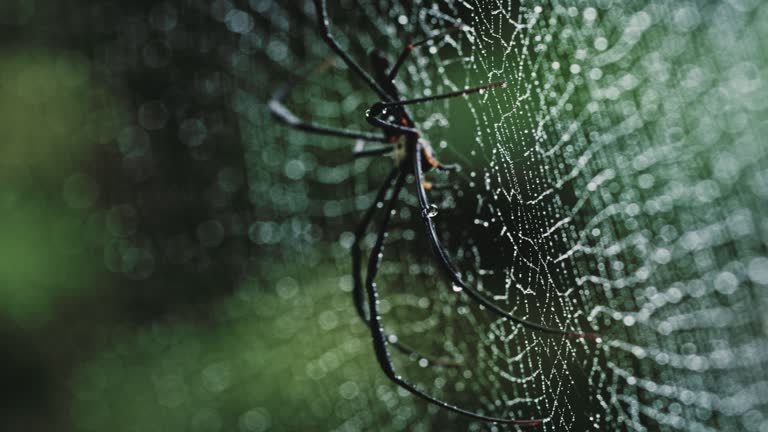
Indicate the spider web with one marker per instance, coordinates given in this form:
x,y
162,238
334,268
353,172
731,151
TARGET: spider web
x,y
617,155
616,185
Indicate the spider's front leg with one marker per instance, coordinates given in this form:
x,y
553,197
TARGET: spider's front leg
x,y
330,40
284,115
411,46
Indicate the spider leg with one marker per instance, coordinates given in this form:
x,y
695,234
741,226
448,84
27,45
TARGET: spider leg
x,y
380,339
379,108
410,47
284,115
453,274
322,16
358,293
448,95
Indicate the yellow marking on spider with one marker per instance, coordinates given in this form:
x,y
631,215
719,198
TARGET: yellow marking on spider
x,y
400,153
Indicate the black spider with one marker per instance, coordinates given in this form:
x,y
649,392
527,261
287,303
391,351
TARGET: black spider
x,y
411,154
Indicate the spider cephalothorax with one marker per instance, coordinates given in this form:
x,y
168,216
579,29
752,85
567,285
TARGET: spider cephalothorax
x,y
413,155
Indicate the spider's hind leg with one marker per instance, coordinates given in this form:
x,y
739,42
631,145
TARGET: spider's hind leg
x,y
450,270
381,340
358,294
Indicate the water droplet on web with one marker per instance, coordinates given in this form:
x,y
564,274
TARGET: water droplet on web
x,y
432,211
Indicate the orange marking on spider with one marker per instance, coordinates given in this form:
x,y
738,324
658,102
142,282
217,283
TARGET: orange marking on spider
x,y
431,159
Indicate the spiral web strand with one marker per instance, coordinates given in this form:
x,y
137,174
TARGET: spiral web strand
x,y
630,153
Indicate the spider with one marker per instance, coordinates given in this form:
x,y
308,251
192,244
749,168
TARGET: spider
x,y
412,156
